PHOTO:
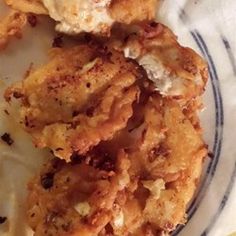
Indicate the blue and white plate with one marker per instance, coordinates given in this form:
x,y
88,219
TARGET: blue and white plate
x,y
208,26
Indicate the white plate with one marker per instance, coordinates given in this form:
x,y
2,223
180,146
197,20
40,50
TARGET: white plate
x,y
205,25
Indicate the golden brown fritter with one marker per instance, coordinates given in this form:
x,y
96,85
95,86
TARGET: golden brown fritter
x,y
81,97
160,168
177,71
116,11
166,163
74,199
11,26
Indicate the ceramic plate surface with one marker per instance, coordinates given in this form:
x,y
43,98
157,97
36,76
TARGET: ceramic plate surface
x,y
208,26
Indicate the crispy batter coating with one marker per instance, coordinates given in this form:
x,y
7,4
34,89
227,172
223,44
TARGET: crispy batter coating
x,y
116,11
177,71
28,6
74,199
81,97
135,153
130,11
11,26
160,169
166,163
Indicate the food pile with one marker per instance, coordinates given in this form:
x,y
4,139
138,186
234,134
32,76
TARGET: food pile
x,y
120,116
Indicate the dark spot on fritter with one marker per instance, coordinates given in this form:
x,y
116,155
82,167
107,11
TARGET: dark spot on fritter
x,y
17,94
109,230
7,139
26,121
6,112
87,38
32,20
47,180
76,158
66,227
102,160
108,165
153,24
3,219
75,113
161,150
90,111
32,215
57,42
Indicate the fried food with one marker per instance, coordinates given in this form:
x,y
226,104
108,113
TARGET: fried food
x,y
27,6
148,193
81,97
92,16
168,162
97,17
131,11
11,26
177,71
128,135
74,199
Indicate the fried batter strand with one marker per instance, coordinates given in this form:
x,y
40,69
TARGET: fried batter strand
x,y
11,26
78,99
176,71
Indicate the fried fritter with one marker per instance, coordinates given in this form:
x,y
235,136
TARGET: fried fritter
x,y
168,165
74,199
177,71
81,97
11,26
91,16
161,166
166,158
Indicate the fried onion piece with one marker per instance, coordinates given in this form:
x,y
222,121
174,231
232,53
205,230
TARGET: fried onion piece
x,y
74,199
177,71
78,99
11,26
27,6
